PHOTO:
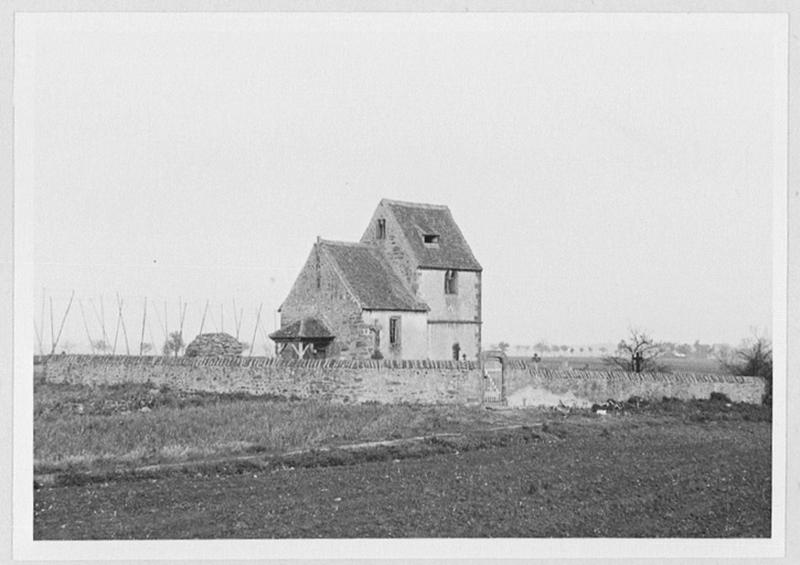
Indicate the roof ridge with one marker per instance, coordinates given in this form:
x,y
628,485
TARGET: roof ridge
x,y
414,204
348,243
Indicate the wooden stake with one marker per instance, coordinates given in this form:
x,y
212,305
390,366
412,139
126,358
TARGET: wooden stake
x,y
203,321
255,329
41,324
182,310
144,319
116,333
52,329
103,319
64,319
124,329
235,319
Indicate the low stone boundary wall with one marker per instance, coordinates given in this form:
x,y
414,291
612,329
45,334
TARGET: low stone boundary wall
x,y
529,385
388,381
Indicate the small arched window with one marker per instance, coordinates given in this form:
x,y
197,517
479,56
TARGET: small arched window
x,y
451,282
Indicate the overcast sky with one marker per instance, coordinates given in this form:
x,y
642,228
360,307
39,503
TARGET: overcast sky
x,y
608,171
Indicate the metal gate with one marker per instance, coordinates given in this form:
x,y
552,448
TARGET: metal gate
x,y
492,379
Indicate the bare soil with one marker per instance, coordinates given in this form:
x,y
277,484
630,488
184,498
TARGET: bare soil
x,y
673,469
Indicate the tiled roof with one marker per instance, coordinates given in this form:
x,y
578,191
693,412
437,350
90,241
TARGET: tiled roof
x,y
370,277
450,252
309,328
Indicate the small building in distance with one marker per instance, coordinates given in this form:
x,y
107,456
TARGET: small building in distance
x,y
410,289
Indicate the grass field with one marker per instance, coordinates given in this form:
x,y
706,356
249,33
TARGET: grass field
x,y
90,429
668,469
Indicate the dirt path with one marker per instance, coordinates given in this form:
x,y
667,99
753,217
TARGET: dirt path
x,y
260,460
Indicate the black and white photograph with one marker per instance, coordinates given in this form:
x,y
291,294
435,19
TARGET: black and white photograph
x,y
422,284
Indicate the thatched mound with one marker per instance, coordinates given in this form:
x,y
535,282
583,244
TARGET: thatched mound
x,y
214,345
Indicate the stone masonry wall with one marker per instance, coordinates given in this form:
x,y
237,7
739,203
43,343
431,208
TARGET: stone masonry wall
x,y
394,246
386,381
528,385
391,381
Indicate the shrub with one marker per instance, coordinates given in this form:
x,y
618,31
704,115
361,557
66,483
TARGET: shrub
x,y
719,397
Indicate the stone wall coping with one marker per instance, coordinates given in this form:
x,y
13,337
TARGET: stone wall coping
x,y
511,367
237,361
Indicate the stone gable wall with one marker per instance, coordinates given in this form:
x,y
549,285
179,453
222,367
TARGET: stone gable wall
x,y
331,303
394,246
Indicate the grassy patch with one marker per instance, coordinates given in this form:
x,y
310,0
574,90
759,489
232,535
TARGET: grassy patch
x,y
95,428
80,429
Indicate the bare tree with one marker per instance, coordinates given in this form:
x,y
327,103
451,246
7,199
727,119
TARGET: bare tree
x,y
502,346
174,345
637,354
753,358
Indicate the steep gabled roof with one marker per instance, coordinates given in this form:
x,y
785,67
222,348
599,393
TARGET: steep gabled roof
x,y
369,277
307,328
449,251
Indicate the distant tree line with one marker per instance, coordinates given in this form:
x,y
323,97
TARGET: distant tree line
x,y
696,350
639,352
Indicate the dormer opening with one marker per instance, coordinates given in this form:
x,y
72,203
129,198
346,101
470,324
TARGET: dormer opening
x,y
430,238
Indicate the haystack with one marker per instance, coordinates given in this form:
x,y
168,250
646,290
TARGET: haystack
x,y
214,345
